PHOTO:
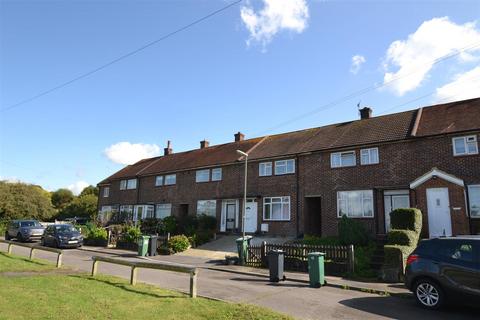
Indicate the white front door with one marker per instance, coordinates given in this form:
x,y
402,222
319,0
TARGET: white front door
x,y
438,206
251,216
395,200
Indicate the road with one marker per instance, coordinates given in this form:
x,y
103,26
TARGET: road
x,y
292,298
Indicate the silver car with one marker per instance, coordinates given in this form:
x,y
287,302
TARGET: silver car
x,y
24,230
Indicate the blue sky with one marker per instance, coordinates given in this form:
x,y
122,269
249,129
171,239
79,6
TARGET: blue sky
x,y
250,68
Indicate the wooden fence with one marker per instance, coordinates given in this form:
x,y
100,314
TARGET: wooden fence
x,y
33,248
339,260
150,265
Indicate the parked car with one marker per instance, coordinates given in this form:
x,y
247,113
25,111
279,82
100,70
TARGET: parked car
x,y
62,236
443,270
24,230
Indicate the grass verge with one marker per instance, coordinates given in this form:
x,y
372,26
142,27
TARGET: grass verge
x,y
11,263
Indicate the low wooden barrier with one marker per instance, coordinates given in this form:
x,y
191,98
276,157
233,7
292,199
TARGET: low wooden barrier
x,y
149,265
33,248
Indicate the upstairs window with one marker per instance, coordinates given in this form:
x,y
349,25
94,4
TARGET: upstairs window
x,y
343,159
158,181
284,166
106,192
369,156
128,184
465,145
170,179
217,174
203,175
265,169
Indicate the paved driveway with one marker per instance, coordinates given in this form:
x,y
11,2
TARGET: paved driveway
x,y
292,298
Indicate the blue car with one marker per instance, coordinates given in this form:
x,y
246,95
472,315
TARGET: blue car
x,y
62,236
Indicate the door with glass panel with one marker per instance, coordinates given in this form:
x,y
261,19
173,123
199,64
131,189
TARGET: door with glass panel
x,y
231,207
395,199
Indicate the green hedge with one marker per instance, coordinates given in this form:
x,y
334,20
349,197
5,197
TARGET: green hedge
x,y
395,253
402,237
352,232
406,219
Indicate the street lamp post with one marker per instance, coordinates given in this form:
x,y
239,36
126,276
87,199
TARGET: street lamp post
x,y
244,154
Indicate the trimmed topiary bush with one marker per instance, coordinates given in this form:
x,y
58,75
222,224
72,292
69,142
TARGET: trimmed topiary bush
x,y
178,243
402,237
352,232
396,254
406,219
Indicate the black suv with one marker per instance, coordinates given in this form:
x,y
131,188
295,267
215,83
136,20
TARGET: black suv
x,y
444,269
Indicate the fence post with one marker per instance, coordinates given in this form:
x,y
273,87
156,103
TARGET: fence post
x,y
264,253
9,249
59,259
32,253
351,259
193,283
133,276
94,267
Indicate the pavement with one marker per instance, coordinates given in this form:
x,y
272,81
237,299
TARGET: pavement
x,y
290,297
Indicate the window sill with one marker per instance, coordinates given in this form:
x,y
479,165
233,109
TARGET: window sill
x,y
343,167
285,174
369,164
465,155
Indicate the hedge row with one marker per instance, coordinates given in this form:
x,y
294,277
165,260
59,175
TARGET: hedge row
x,y
406,219
403,237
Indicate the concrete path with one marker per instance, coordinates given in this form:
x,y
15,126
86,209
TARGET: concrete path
x,y
293,298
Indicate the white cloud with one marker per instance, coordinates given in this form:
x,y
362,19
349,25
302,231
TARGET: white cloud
x,y
357,61
129,153
275,16
464,86
415,56
78,187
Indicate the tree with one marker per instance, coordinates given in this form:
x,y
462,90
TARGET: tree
x,y
82,206
20,200
61,198
89,190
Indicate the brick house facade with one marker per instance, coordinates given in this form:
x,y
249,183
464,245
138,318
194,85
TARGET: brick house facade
x,y
426,158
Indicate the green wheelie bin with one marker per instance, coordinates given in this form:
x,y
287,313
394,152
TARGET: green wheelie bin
x,y
242,245
316,269
143,245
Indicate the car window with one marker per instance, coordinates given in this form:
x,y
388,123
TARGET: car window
x,y
457,250
30,224
65,228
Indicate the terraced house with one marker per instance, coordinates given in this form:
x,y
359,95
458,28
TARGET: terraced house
x,y
302,182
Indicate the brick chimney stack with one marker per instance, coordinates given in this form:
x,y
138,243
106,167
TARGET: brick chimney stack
x,y
365,113
168,150
239,136
204,144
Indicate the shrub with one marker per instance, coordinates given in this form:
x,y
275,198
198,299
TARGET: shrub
x,y
131,234
3,227
169,224
395,253
406,219
352,232
207,223
187,225
403,237
178,243
363,257
151,226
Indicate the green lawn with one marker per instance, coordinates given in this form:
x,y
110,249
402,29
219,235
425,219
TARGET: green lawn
x,y
20,264
83,297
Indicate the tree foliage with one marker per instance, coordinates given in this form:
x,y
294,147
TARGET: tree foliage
x,y
89,190
61,198
20,200
81,206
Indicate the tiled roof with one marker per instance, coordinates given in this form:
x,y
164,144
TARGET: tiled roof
x,y
450,117
377,129
445,118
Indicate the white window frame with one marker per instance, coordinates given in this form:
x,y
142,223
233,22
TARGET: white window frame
x,y
212,203
270,201
470,206
465,139
202,175
217,174
348,205
166,181
106,192
165,207
369,154
127,209
265,169
285,164
123,184
340,164
159,181
131,184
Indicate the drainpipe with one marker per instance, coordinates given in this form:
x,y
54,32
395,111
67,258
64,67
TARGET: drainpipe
x,y
297,164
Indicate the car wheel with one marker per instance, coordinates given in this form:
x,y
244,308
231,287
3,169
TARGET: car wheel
x,y
7,236
428,294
